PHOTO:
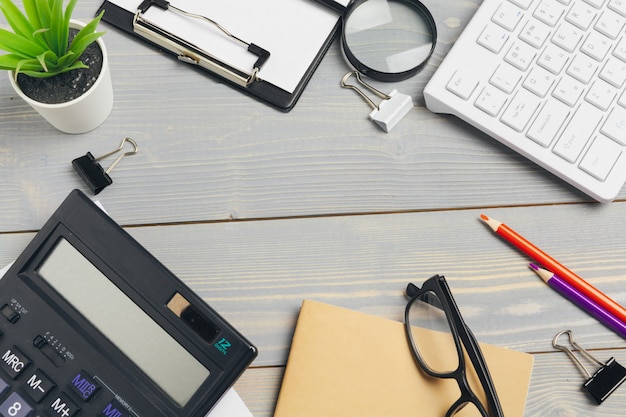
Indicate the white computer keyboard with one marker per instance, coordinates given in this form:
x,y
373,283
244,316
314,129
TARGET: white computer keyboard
x,y
546,78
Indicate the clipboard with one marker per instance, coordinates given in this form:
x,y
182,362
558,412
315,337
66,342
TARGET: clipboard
x,y
267,49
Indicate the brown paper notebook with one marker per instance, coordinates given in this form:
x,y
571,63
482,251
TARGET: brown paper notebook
x,y
345,363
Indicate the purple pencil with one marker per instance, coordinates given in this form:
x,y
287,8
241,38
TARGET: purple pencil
x,y
568,291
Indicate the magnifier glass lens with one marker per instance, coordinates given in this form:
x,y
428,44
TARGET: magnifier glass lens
x,y
388,36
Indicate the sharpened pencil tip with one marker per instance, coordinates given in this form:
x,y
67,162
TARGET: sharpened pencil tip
x,y
493,224
533,266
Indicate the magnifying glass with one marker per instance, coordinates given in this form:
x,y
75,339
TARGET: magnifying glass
x,y
387,40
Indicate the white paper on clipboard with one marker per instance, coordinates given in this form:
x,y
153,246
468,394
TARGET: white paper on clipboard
x,y
292,31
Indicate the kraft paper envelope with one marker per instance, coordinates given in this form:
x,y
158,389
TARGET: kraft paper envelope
x,y
345,363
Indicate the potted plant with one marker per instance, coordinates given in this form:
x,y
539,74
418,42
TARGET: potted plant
x,y
56,64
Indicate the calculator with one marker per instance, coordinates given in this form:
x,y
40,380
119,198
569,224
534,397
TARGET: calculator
x,y
91,324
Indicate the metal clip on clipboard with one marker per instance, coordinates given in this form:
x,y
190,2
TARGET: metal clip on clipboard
x,y
190,53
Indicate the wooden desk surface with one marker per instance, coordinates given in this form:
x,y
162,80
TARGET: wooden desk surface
x,y
257,210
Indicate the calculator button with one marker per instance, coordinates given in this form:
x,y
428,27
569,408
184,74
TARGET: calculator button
x,y
9,314
15,406
84,385
114,408
38,385
3,386
62,406
14,362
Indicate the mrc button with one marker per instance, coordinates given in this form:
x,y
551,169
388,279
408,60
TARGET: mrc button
x,y
84,385
14,362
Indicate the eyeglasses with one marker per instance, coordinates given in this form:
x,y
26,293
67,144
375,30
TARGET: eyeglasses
x,y
440,354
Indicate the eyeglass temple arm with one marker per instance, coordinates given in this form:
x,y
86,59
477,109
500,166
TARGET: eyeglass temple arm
x,y
478,360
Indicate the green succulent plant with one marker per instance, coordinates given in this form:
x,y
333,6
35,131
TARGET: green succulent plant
x,y
39,44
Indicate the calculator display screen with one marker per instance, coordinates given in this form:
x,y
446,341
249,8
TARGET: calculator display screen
x,y
126,325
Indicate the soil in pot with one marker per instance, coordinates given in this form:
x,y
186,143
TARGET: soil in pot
x,y
67,86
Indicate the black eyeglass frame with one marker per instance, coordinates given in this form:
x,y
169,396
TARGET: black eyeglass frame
x,y
461,334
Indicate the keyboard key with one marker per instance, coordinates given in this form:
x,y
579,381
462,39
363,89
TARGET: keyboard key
x,y
614,72
520,110
601,95
610,24
596,45
539,81
568,90
506,78
491,100
549,12
15,406
521,55
493,38
618,6
548,122
581,15
553,59
578,132
508,16
620,49
462,84
567,37
582,68
535,33
601,157
615,125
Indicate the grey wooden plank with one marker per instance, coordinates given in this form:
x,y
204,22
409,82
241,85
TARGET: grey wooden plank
x,y
257,273
555,388
208,152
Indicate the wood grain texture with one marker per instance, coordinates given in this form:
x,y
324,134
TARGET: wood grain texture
x,y
224,155
257,210
258,272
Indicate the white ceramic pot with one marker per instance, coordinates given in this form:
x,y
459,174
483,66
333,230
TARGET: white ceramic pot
x,y
84,113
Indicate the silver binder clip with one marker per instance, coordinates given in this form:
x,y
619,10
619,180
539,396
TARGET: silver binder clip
x,y
92,172
391,109
604,380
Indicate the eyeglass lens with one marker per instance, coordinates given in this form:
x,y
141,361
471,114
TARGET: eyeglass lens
x,y
437,350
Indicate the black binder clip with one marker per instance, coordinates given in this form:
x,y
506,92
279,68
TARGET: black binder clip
x,y
605,380
92,172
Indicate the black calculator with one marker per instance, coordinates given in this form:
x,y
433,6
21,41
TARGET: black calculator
x,y
93,325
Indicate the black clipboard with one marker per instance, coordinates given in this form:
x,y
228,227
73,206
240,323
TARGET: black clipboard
x,y
158,21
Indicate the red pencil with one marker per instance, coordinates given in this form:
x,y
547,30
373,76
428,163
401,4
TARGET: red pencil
x,y
544,259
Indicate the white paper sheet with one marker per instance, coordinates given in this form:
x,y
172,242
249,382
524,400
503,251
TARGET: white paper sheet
x,y
293,31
